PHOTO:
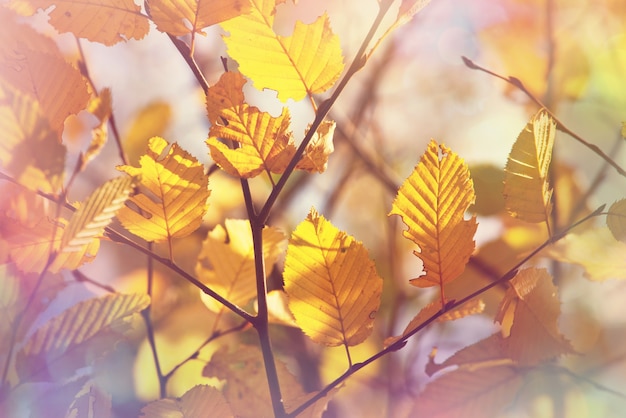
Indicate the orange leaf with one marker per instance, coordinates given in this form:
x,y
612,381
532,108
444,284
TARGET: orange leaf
x,y
201,400
308,62
534,335
182,17
316,155
432,203
265,141
104,21
616,220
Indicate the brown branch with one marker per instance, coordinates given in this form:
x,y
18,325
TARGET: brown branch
x,y
560,125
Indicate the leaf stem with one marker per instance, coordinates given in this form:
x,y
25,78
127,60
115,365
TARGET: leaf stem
x,y
560,125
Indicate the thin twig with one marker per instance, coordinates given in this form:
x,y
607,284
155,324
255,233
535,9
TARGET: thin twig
x,y
400,343
147,317
560,125
323,109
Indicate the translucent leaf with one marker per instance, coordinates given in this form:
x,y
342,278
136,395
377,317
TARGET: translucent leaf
x,y
616,220
246,384
90,402
483,392
104,21
182,17
57,86
596,250
265,142
30,244
315,158
333,288
67,342
29,151
534,335
432,203
174,199
308,62
199,401
151,120
226,261
527,194
95,213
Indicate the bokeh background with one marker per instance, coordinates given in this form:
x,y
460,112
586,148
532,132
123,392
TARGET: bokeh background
x,y
571,54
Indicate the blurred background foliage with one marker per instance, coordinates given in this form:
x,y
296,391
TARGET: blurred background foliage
x,y
571,54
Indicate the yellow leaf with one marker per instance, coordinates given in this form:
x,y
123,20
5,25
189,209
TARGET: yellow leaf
x,y
152,120
316,155
182,17
308,62
596,250
265,141
56,85
69,341
93,215
226,261
199,401
534,336
616,220
333,288
104,21
432,203
527,194
174,200
29,151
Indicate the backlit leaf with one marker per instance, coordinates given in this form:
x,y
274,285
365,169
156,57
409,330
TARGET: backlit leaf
x,y
596,250
432,203
616,220
333,288
30,242
182,17
95,213
57,86
226,261
527,194
67,342
307,62
534,335
104,21
199,401
29,151
265,142
315,158
174,199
